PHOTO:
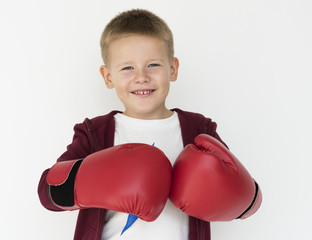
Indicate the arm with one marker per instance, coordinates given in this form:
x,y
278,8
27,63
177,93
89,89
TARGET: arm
x,y
79,148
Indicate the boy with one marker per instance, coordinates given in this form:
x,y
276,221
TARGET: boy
x,y
137,49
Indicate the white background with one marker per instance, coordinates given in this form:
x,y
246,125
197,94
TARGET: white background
x,y
246,64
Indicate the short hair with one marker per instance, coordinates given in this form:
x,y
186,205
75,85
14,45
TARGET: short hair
x,y
136,21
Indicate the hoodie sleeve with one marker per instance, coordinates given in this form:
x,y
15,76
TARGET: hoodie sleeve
x,y
79,148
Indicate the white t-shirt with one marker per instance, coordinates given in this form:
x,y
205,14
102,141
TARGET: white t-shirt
x,y
165,134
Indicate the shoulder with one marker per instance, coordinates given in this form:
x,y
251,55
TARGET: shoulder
x,y
197,120
189,115
193,124
98,131
99,122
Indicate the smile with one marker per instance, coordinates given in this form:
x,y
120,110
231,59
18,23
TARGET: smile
x,y
143,92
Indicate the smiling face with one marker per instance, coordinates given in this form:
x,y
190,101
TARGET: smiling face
x,y
140,71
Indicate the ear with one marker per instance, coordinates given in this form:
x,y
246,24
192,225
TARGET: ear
x,y
104,70
174,68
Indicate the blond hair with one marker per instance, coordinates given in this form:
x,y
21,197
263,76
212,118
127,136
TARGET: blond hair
x,y
136,21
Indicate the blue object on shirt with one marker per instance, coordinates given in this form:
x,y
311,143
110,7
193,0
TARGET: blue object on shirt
x,y
131,219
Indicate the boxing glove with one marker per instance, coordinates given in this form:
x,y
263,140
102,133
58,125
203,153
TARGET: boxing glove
x,y
209,183
132,178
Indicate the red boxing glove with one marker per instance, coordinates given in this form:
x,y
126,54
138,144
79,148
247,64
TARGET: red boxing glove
x,y
132,178
209,183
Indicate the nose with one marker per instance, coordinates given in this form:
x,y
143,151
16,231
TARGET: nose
x,y
142,76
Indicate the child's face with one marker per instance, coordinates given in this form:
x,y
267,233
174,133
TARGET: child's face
x,y
140,71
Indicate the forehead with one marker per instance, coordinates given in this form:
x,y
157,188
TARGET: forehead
x,y
137,46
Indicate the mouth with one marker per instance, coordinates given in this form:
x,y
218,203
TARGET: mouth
x,y
142,92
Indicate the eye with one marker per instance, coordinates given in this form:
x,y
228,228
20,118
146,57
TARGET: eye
x,y
153,65
127,68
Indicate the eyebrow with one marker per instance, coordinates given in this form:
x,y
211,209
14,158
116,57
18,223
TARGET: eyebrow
x,y
130,62
124,63
157,60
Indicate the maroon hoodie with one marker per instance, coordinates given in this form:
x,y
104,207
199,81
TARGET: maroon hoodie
x,y
98,133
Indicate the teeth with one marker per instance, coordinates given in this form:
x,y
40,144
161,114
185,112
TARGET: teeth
x,y
142,92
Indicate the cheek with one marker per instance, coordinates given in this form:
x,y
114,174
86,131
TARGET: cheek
x,y
164,81
122,84
165,86
161,76
121,90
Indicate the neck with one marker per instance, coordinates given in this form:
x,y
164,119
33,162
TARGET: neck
x,y
149,116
